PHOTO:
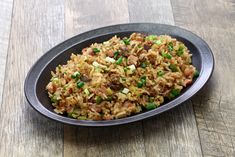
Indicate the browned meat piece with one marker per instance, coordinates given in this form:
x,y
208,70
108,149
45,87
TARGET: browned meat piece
x,y
124,51
152,59
85,78
114,82
110,53
132,60
147,47
87,51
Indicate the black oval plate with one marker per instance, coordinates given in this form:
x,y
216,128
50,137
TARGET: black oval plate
x,y
39,75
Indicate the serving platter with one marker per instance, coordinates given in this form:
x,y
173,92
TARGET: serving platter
x,y
39,75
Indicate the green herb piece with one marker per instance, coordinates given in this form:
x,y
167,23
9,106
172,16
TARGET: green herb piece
x,y
174,93
73,114
96,50
98,99
170,46
158,42
160,73
139,46
126,69
80,84
151,37
196,74
126,41
54,99
180,51
123,79
173,68
59,67
76,75
143,65
166,55
143,78
55,80
116,54
109,98
151,106
151,99
140,84
119,61
82,118
86,91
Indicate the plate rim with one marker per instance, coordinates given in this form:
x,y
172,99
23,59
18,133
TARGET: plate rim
x,y
32,77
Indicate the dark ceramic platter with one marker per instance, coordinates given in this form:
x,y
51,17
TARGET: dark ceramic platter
x,y
39,75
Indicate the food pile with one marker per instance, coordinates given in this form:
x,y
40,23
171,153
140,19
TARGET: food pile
x,y
121,77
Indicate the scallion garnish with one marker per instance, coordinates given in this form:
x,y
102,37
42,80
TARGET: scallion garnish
x,y
80,84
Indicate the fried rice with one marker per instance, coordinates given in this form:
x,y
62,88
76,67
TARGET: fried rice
x,y
121,77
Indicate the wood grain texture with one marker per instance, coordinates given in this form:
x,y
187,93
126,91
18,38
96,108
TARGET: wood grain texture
x,y
5,25
36,26
124,140
214,106
151,11
173,133
84,15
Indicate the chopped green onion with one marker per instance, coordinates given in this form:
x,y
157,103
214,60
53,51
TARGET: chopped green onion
x,y
125,91
54,99
196,73
151,37
126,41
173,68
151,99
143,65
59,67
132,67
109,59
96,50
82,118
73,114
75,75
180,51
98,99
109,91
109,98
116,54
139,46
143,78
174,93
123,79
140,84
166,55
119,61
80,84
55,80
160,73
151,106
170,46
87,92
158,42
126,69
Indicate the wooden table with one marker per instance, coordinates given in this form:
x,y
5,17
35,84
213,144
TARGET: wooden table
x,y
203,126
